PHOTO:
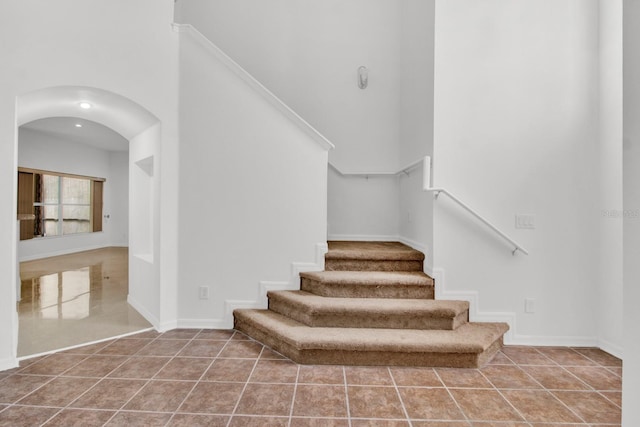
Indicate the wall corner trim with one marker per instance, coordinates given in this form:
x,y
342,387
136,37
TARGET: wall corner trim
x,y
253,83
155,322
265,286
512,337
8,363
475,315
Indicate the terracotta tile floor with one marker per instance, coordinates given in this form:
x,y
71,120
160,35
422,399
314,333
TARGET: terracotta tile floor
x,y
222,378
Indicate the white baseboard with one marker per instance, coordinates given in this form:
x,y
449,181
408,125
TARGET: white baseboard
x,y
155,322
611,348
31,356
8,363
413,244
364,237
265,286
65,252
473,298
167,326
554,341
512,337
203,324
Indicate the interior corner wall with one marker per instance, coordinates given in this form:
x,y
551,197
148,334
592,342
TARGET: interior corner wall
x,y
362,208
415,215
516,132
127,48
609,292
38,150
416,43
631,205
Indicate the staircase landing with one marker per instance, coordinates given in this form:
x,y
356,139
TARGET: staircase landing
x,y
373,305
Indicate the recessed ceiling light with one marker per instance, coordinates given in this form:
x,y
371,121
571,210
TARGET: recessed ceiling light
x,y
85,105
78,125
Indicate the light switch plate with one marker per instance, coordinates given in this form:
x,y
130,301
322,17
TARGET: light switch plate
x,y
526,221
529,305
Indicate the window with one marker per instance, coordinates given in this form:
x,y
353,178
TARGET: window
x,y
62,204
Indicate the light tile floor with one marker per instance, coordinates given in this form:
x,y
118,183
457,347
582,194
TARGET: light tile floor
x,y
223,378
74,299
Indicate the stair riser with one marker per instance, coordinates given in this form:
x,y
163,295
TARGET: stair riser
x,y
368,358
409,320
373,265
366,291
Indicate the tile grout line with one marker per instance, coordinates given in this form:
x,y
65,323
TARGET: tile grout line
x,y
503,396
543,388
590,389
199,379
563,367
346,393
395,385
293,398
172,413
53,378
255,364
118,411
446,387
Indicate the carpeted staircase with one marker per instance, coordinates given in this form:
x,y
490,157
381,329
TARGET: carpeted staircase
x,y
373,305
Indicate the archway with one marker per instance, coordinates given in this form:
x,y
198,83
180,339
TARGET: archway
x,y
142,129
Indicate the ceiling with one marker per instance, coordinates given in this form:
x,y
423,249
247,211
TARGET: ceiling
x,y
91,133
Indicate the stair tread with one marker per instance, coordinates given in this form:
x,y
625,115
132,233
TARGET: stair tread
x,y
369,277
383,306
468,338
372,251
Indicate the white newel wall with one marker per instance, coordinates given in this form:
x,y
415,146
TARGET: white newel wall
x,y
516,132
609,288
115,46
254,189
145,248
416,121
631,223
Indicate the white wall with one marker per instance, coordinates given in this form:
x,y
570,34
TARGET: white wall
x,y
416,43
516,131
308,54
144,221
253,197
363,208
609,287
118,220
416,121
48,152
416,215
631,194
124,47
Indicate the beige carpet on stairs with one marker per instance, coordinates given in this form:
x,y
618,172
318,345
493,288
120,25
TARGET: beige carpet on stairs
x,y
373,305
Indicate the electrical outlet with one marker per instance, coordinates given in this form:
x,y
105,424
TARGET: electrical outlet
x,y
526,221
203,292
529,305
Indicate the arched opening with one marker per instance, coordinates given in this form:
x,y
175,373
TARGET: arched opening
x,y
142,130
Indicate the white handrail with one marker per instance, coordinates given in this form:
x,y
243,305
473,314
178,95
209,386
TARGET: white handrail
x,y
404,170
253,83
426,186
